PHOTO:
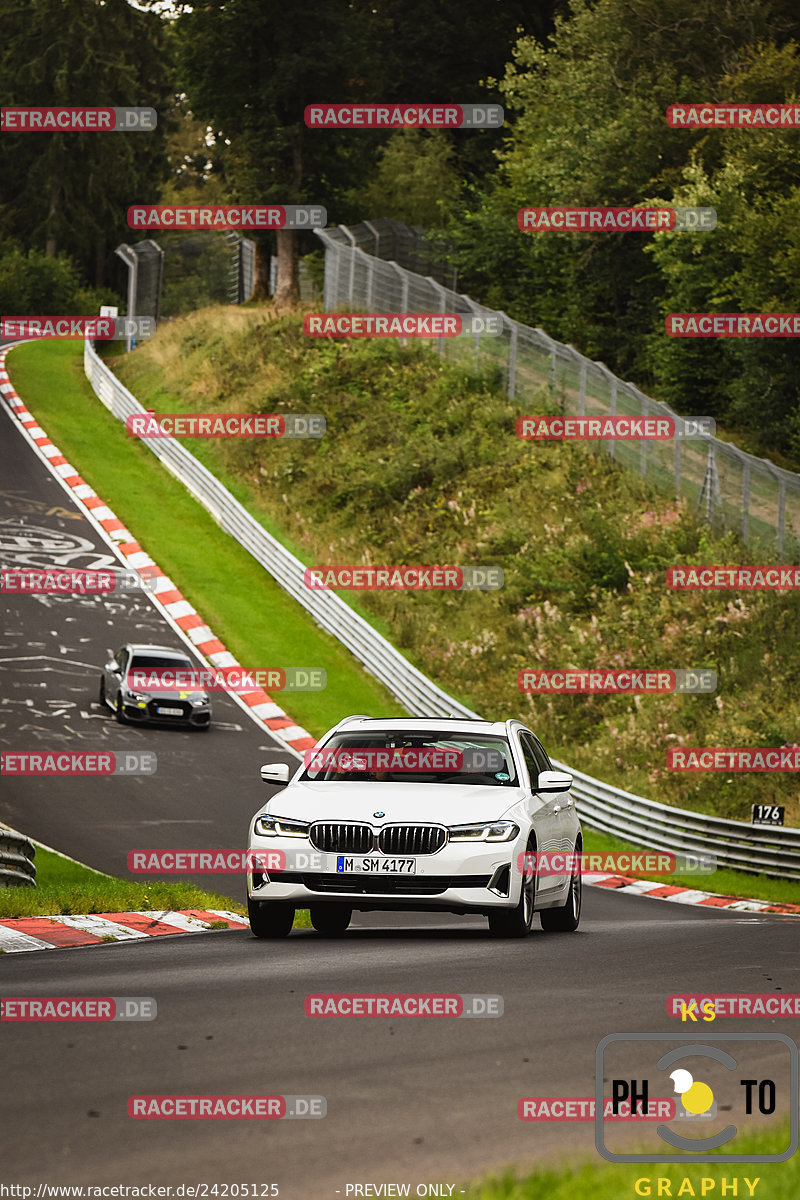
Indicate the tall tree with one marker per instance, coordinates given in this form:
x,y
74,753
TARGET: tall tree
x,y
69,191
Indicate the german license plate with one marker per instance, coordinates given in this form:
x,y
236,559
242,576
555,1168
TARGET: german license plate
x,y
375,866
170,712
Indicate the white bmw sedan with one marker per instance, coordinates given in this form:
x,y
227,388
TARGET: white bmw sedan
x,y
435,815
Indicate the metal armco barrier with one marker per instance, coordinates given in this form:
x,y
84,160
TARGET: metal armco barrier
x,y
602,806
16,860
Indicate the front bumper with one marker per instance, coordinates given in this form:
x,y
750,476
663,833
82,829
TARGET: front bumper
x,y
460,877
148,714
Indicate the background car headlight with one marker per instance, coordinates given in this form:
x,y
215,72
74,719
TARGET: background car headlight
x,y
494,831
267,826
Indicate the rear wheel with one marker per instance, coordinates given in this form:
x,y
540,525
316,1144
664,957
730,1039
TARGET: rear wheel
x,y
101,695
118,712
331,920
269,919
516,922
566,918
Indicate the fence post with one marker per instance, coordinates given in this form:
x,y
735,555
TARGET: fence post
x,y
512,361
442,308
781,515
745,498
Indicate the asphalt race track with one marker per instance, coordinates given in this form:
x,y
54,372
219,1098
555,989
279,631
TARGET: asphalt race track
x,y
422,1101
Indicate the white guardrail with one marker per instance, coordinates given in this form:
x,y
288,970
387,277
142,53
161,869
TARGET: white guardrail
x,y
736,844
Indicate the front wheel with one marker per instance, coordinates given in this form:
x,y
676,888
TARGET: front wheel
x,y
101,695
270,919
119,713
516,922
566,918
330,920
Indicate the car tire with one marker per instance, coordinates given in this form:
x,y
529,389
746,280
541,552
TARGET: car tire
x,y
331,920
516,922
119,714
101,695
566,918
270,919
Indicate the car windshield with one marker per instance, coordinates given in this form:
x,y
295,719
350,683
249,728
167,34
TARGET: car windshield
x,y
403,756
159,662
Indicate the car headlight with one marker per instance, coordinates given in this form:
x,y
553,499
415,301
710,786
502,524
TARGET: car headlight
x,y
200,701
139,697
495,831
266,826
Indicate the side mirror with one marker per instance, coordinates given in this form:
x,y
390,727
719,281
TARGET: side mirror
x,y
554,781
113,667
275,773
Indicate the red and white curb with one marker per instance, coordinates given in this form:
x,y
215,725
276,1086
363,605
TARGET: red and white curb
x,y
684,895
53,933
165,595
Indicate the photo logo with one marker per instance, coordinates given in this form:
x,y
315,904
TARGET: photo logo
x,y
602,219
755,1004
204,862
403,116
231,1108
725,1071
226,679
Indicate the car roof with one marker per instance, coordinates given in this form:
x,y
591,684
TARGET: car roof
x,y
424,724
148,648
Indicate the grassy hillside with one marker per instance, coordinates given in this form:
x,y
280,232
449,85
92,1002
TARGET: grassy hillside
x,y
421,464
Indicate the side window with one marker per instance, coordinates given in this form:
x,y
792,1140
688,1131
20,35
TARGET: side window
x,y
119,657
526,742
541,757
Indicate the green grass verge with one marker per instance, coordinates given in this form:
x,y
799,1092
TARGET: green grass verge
x,y
65,887
724,880
617,1181
258,622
